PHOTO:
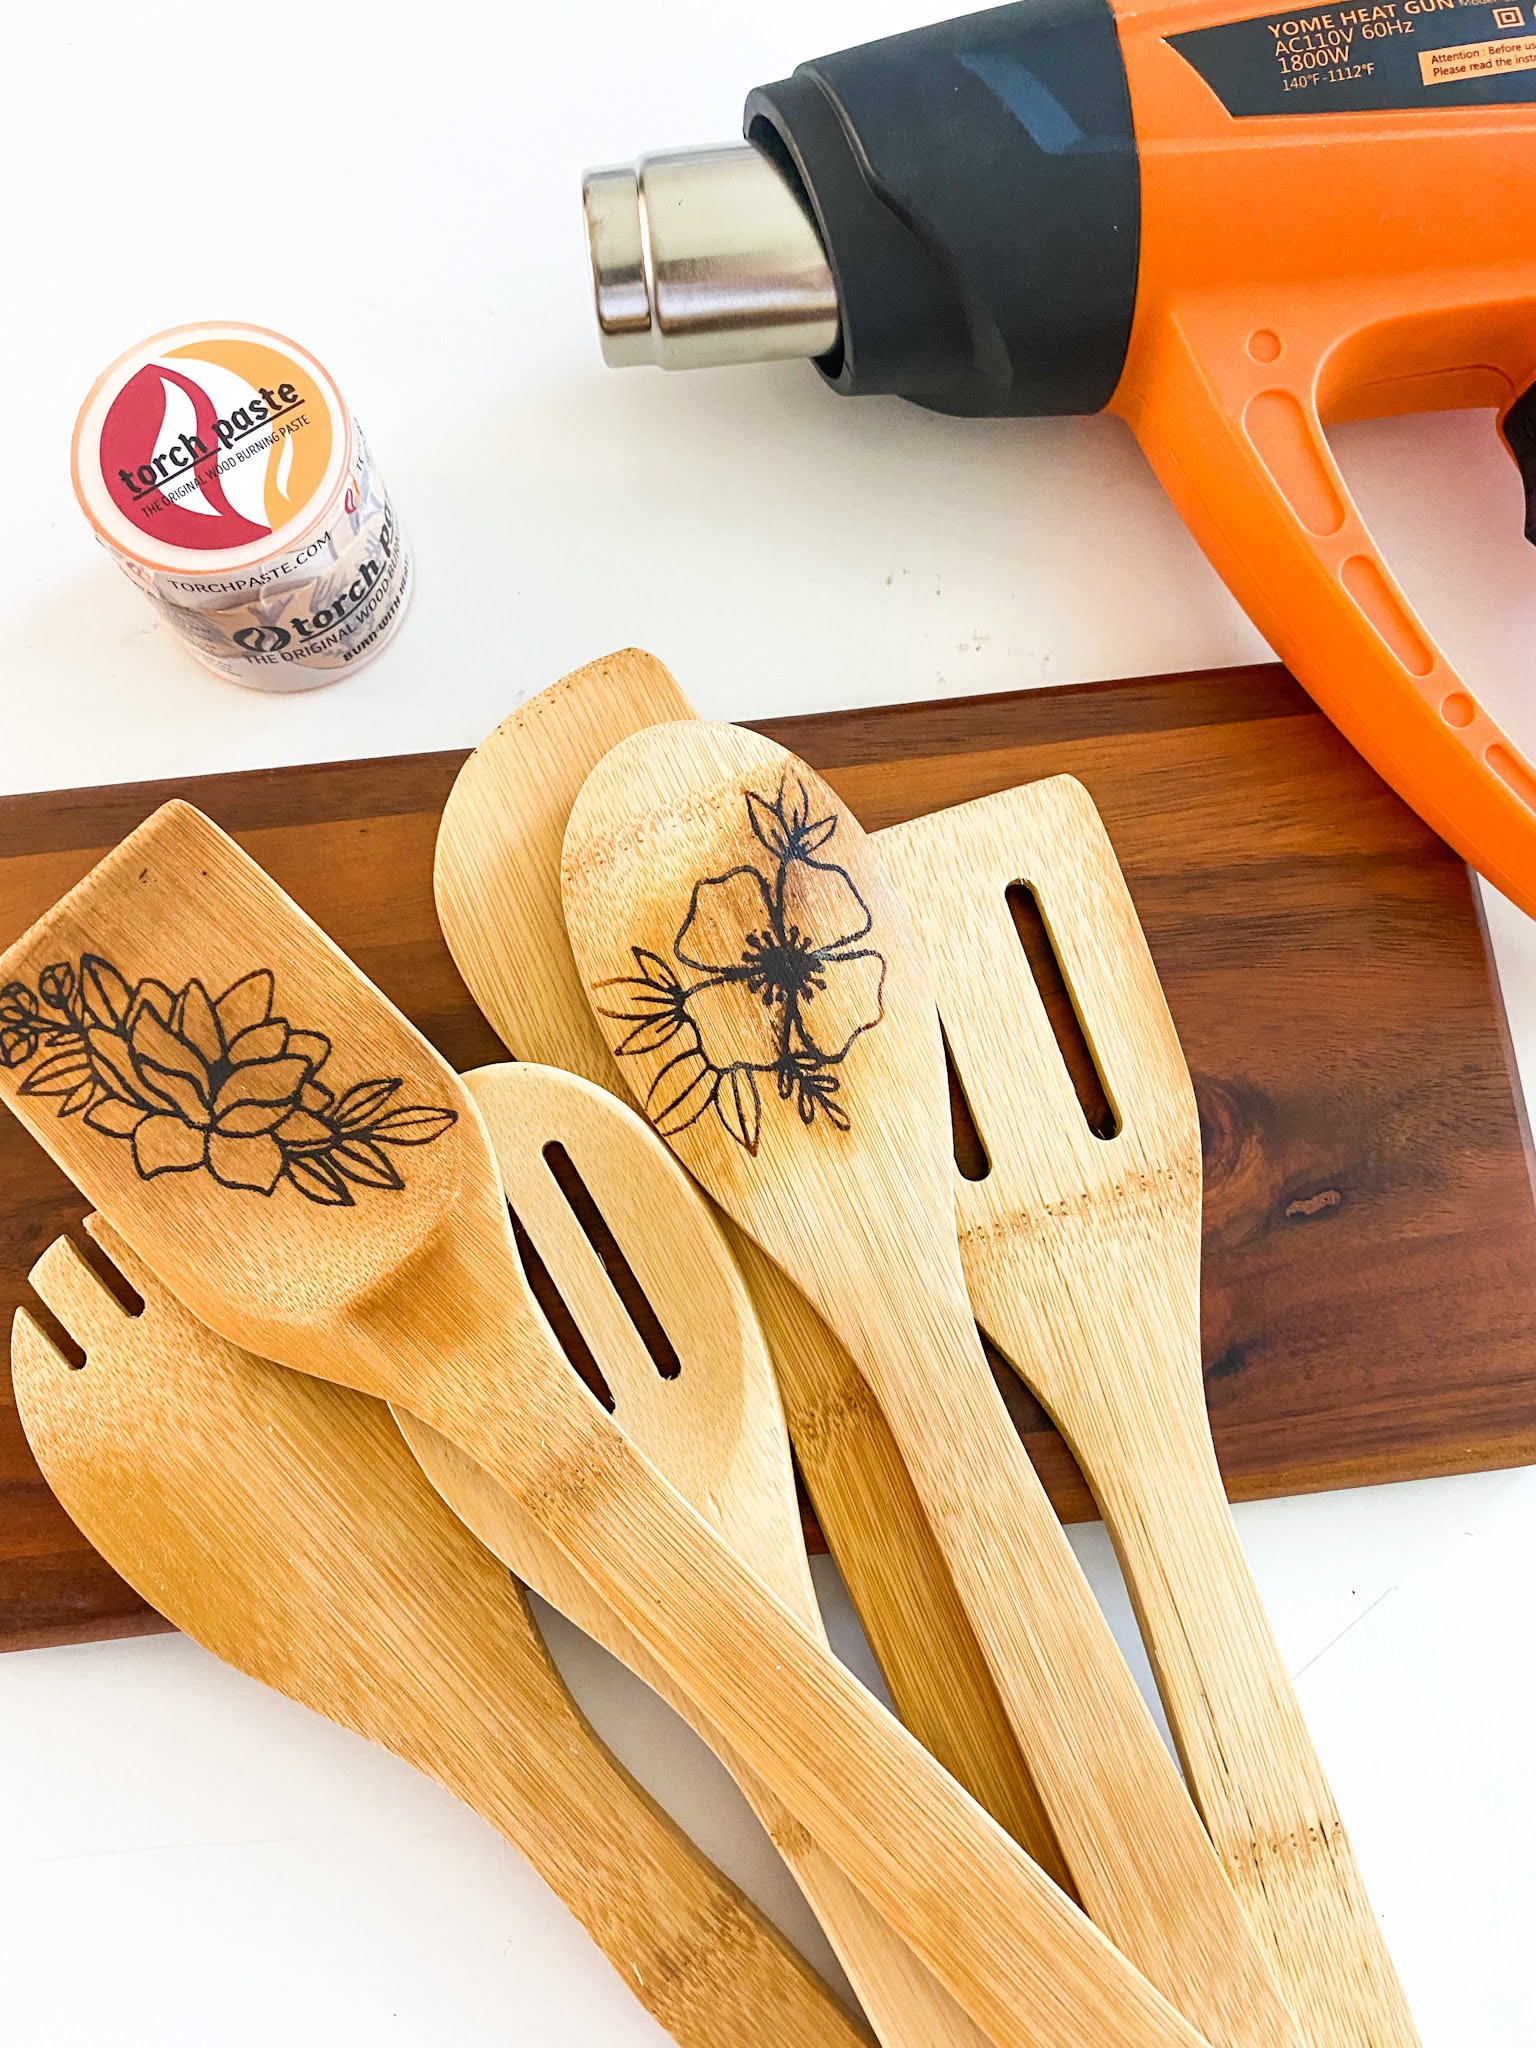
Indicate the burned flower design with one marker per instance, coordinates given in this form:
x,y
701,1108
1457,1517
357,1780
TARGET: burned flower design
x,y
192,1081
772,981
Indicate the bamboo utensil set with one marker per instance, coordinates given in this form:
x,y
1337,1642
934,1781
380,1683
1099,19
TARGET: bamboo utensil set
x,y
497,884
1082,1258
283,1524
270,1143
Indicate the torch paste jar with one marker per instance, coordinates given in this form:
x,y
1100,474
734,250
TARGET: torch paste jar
x,y
221,468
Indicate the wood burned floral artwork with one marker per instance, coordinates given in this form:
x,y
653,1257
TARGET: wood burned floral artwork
x,y
195,1082
770,980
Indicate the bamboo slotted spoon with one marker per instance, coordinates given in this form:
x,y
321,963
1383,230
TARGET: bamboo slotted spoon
x,y
497,885
712,1426
761,984
281,1523
1232,1711
321,1191
1082,1255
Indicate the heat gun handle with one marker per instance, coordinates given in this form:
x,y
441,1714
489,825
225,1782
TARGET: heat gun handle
x,y
1231,428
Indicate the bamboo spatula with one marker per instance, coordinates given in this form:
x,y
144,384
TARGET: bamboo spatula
x,y
327,1198
606,1208
760,982
1082,1255
497,882
282,1523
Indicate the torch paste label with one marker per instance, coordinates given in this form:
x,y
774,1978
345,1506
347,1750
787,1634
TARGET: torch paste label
x,y
221,468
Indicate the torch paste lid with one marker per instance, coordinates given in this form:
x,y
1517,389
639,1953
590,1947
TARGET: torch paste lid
x,y
210,448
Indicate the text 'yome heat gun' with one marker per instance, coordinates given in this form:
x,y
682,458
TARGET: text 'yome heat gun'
x,y
1229,231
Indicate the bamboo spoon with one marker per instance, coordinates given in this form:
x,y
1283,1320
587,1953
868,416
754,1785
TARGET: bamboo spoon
x,y
282,1523
340,1213
497,881
761,982
713,1428
1083,1261
1247,1756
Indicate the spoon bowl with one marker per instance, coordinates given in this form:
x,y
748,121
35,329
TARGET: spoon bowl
x,y
497,884
642,1266
761,987
281,1523
406,1285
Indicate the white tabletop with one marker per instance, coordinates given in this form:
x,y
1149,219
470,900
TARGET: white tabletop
x,y
184,1858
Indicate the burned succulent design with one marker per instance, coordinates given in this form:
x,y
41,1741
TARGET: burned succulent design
x,y
775,981
192,1081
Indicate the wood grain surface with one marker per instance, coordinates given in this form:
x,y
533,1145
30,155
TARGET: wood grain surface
x,y
315,1557
808,1099
1369,1287
411,1291
497,884
1081,1250
712,1427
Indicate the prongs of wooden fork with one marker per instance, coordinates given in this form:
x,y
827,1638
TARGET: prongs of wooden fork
x,y
33,1351
79,1297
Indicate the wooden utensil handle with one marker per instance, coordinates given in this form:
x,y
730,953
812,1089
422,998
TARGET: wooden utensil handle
x,y
1014,1952
895,1572
679,1935
1127,1829
906,2006
1247,1753
985,1920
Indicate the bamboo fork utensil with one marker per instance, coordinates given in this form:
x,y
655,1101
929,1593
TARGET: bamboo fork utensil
x,y
759,979
1081,1249
322,1192
283,1524
497,882
642,1267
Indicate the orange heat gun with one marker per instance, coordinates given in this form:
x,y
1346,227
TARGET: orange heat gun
x,y
1229,228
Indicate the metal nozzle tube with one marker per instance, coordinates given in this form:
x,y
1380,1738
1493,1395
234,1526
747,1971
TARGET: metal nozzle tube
x,y
705,256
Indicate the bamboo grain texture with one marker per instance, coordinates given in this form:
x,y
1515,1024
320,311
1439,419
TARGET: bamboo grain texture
x,y
747,959
411,1291
283,1524
1081,1251
712,1426
496,881
1369,1257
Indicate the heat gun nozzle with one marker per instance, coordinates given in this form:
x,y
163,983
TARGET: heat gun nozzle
x,y
705,256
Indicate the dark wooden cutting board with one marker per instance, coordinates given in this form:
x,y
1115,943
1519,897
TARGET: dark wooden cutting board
x,y
1370,1236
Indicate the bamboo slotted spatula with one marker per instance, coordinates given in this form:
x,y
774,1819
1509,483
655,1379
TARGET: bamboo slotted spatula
x,y
759,979
497,883
592,1186
282,1523
326,1197
1082,1255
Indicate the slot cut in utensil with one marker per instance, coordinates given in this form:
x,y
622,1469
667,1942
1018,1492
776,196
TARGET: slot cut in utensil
x,y
282,1523
970,1153
610,1253
714,1429
497,886
557,1314
1060,1006
762,988
1082,1259
324,1194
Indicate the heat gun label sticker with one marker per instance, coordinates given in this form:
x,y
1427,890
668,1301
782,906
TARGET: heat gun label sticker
x,y
1370,55
1477,60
